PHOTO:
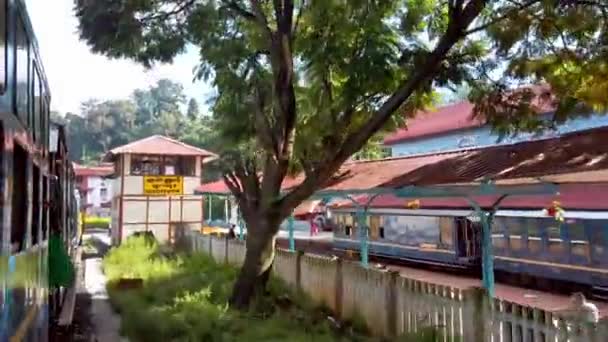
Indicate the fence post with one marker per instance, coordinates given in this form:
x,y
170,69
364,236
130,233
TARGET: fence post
x,y
298,268
338,290
475,323
210,239
226,250
602,329
391,301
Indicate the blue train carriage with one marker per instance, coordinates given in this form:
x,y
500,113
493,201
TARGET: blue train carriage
x,y
437,237
24,178
526,242
573,251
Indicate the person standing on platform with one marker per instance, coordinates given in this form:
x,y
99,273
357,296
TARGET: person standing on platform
x,y
231,233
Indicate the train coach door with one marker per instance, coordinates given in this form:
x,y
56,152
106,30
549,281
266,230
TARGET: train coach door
x,y
468,233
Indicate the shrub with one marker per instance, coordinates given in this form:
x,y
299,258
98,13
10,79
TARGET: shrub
x,y
96,222
184,298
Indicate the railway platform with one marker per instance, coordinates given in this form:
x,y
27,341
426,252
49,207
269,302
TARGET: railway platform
x,y
546,301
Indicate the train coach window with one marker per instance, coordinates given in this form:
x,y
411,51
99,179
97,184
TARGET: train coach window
x,y
599,240
22,75
446,232
35,205
554,237
37,117
3,64
374,225
45,207
498,235
381,232
19,200
516,229
535,234
579,242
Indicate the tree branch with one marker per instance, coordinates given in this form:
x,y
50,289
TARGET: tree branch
x,y
502,17
298,17
179,8
454,33
239,10
261,17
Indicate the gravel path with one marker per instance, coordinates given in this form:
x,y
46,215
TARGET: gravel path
x,y
106,323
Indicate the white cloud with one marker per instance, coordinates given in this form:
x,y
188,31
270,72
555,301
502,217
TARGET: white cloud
x,y
75,74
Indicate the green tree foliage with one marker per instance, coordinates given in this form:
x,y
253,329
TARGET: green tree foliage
x,y
103,125
302,85
193,110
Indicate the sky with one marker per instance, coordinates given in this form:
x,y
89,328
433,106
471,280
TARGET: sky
x,y
75,74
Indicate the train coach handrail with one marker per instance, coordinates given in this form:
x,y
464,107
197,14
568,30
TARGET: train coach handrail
x,y
66,316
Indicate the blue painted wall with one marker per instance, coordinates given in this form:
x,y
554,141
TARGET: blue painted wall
x,y
483,136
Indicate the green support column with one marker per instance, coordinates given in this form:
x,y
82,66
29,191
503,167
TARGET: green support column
x,y
487,254
362,225
292,243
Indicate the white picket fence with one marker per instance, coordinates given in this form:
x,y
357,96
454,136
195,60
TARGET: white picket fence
x,y
392,304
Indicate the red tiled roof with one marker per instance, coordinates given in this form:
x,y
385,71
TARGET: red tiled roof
x,y
218,187
445,119
455,117
98,170
159,145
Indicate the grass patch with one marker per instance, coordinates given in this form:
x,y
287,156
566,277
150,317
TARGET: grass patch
x,y
184,298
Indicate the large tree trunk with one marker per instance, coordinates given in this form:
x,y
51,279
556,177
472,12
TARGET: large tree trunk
x,y
255,270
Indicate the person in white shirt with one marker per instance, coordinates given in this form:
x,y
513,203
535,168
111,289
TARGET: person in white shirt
x,y
580,309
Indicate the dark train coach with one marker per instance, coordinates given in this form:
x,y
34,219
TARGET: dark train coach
x,y
36,181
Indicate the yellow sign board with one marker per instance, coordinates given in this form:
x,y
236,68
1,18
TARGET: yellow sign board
x,y
163,185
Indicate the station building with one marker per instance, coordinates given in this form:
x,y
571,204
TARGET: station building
x,y
153,188
94,186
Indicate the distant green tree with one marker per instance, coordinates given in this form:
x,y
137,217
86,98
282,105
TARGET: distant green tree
x,y
104,124
56,117
159,109
193,110
108,123
304,84
373,149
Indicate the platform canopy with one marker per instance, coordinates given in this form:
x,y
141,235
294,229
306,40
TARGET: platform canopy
x,y
576,158
480,177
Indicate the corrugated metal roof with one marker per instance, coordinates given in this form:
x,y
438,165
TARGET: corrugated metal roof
x,y
353,175
584,151
586,196
158,145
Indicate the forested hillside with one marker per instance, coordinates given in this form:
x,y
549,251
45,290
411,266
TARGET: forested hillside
x,y
161,109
